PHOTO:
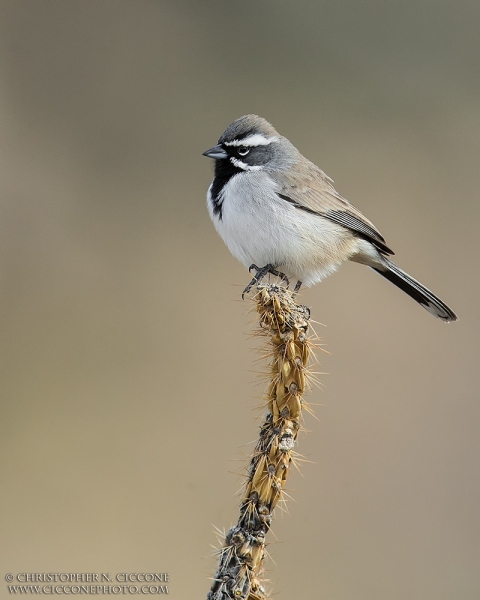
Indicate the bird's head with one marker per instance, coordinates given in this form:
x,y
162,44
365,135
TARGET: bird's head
x,y
250,144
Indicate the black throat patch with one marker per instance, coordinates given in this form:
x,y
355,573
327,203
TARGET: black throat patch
x,y
224,171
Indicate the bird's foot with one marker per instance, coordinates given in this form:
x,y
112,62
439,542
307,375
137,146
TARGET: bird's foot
x,y
297,287
260,274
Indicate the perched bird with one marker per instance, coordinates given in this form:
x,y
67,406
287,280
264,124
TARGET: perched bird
x,y
279,213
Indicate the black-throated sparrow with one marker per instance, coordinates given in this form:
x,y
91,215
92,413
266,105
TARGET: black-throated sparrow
x,y
275,209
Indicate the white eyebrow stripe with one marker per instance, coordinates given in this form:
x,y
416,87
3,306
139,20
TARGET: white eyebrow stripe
x,y
256,139
241,165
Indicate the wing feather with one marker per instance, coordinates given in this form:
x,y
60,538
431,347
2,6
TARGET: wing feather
x,y
309,189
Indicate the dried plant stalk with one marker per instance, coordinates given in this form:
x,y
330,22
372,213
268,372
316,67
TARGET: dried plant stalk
x,y
285,324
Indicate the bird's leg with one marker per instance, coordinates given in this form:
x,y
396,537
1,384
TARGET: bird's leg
x,y
279,274
298,285
260,274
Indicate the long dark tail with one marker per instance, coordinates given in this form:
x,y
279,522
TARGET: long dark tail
x,y
417,291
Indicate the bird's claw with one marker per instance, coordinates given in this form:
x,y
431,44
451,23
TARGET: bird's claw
x,y
260,274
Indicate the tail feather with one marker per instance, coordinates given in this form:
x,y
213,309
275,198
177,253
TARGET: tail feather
x,y
417,291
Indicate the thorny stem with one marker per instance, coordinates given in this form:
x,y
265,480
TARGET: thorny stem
x,y
284,323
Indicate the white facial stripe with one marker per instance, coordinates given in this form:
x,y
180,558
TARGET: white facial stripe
x,y
241,165
253,140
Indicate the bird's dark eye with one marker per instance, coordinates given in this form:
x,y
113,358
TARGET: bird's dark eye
x,y
243,150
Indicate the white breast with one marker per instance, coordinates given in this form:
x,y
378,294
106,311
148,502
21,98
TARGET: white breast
x,y
261,228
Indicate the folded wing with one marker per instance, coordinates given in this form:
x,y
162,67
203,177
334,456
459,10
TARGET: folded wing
x,y
312,191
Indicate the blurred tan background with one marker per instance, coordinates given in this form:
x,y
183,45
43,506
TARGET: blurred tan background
x,y
128,384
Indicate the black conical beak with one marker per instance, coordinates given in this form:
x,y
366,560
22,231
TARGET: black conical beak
x,y
215,152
